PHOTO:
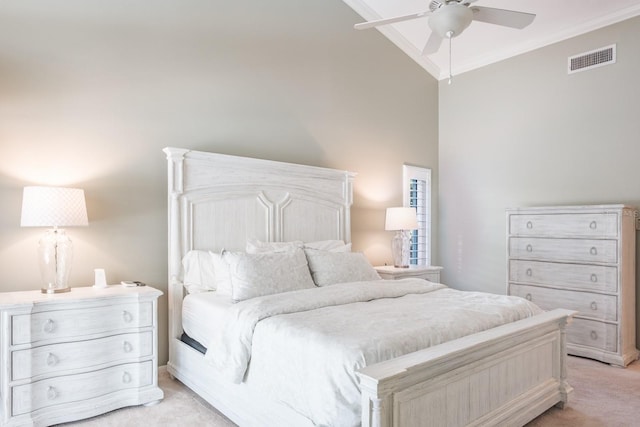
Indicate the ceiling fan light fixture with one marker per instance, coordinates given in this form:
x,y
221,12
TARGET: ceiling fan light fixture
x,y
450,20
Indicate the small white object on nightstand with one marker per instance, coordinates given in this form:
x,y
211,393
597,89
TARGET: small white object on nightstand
x,y
428,272
100,278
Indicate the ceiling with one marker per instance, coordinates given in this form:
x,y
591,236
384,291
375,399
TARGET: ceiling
x,y
481,43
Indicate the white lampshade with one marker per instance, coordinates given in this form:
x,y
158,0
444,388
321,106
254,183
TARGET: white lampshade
x,y
53,207
401,219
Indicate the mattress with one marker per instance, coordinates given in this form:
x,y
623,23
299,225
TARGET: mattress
x,y
202,313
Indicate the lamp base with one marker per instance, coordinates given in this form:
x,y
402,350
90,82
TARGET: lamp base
x,y
400,249
55,252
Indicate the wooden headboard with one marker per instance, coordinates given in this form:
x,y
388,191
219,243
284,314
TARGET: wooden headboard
x,y
219,201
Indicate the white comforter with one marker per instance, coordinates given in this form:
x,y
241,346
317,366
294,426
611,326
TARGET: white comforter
x,y
305,346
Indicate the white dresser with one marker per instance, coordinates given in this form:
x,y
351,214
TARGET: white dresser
x,y
579,258
75,355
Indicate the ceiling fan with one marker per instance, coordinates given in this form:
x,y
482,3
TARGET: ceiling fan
x,y
449,18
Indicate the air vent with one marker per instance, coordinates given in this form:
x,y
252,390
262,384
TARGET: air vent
x,y
593,59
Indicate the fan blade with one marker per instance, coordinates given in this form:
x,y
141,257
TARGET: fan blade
x,y
433,44
506,18
371,24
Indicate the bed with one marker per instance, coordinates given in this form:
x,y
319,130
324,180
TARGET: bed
x,y
504,375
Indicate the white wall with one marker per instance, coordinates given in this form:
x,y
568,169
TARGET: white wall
x,y
90,92
524,133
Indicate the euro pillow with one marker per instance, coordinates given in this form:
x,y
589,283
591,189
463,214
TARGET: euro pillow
x,y
329,268
257,246
198,272
254,275
222,277
329,245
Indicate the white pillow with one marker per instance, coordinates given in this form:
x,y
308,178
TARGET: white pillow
x,y
198,272
254,275
256,246
328,268
329,245
222,277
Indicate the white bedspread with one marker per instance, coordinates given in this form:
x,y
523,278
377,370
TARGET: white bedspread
x,y
305,346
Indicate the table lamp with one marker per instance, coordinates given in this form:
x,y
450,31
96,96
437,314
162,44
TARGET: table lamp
x,y
401,220
54,207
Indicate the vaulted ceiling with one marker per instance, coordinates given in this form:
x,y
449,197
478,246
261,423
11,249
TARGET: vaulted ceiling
x,y
481,43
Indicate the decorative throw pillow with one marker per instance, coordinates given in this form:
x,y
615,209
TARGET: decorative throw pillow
x,y
198,272
254,275
328,268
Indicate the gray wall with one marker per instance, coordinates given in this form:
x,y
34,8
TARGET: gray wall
x,y
524,133
90,92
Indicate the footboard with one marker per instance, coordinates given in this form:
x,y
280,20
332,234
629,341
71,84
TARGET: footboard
x,y
504,376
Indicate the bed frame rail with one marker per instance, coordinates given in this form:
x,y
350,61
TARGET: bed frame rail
x,y
522,364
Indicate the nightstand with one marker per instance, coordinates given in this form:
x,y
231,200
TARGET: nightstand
x,y
75,355
430,273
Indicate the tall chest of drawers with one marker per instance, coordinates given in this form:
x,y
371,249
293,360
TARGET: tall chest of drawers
x,y
75,355
580,258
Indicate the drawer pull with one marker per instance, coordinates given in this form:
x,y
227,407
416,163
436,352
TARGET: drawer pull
x,y
126,377
127,347
529,248
52,393
127,317
529,297
593,250
594,306
529,225
594,278
593,225
529,272
49,326
52,360
594,335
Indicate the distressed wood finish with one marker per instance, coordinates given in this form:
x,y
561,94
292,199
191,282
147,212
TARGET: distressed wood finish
x,y
217,201
430,272
504,376
75,355
581,258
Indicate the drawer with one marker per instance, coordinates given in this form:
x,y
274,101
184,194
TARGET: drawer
x,y
573,276
565,225
55,358
72,388
64,324
591,333
576,250
591,305
432,276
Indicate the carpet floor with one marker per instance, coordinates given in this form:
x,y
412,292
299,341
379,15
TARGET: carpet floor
x,y
603,396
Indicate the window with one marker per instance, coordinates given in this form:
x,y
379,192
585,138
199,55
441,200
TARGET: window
x,y
417,194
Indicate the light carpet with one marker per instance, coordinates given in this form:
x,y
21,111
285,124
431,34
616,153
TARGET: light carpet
x,y
604,396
